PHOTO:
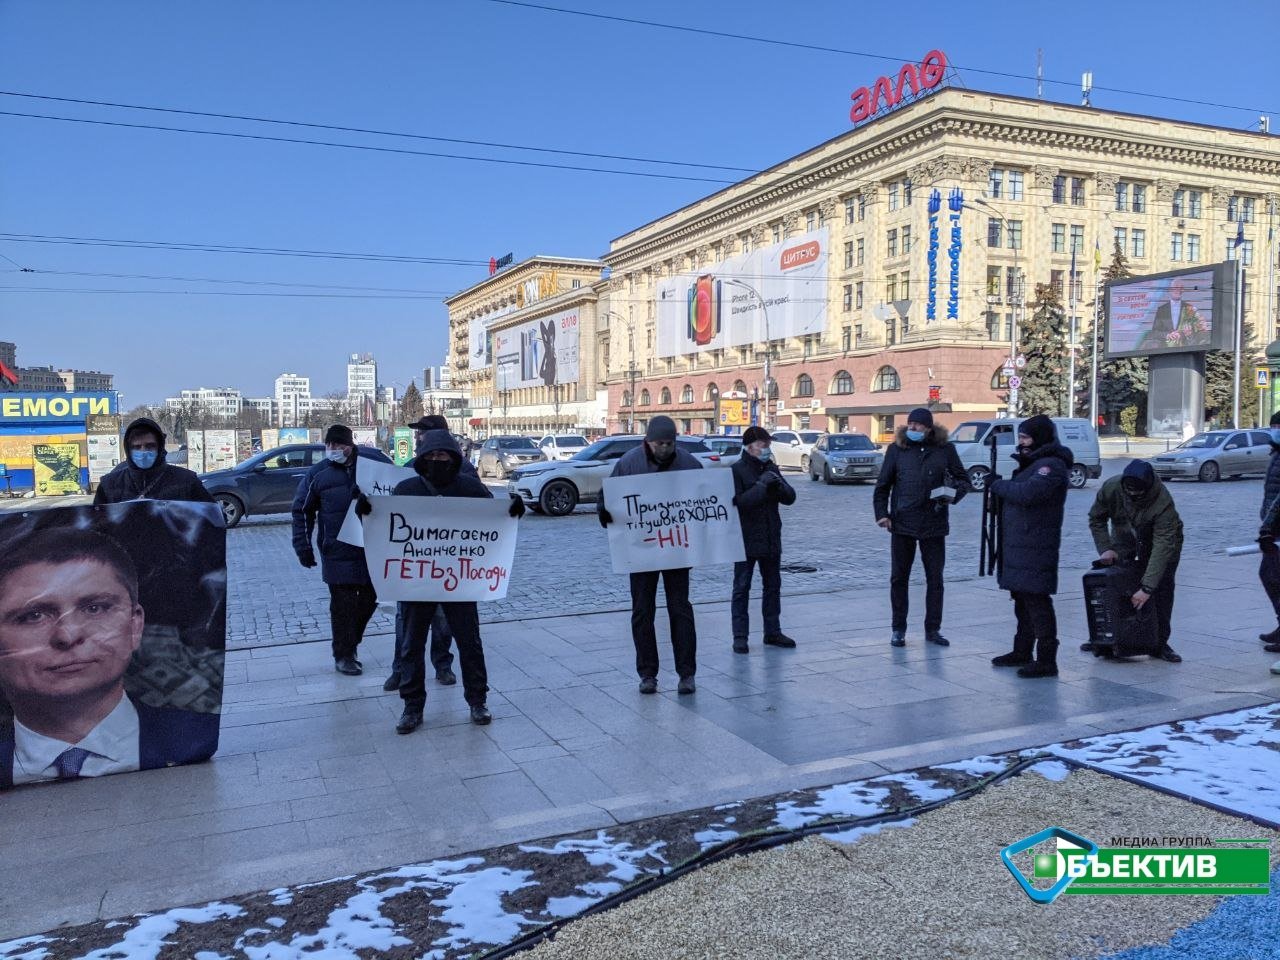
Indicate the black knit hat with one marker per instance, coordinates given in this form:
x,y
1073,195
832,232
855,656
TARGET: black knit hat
x,y
1138,477
661,428
1039,428
1275,419
921,415
752,434
339,433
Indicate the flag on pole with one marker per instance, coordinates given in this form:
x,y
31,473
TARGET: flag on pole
x,y
7,374
1239,240
1097,255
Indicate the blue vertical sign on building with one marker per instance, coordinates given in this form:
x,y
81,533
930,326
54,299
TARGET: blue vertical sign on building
x,y
931,305
955,203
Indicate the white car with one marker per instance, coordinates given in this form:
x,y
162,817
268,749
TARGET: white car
x,y
728,447
791,448
562,446
557,488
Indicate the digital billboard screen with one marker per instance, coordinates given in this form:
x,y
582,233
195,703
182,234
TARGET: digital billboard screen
x,y
1182,311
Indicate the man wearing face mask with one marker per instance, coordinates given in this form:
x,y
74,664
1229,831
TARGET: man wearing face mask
x,y
1031,504
438,465
1269,571
758,489
1134,523
319,507
657,454
144,474
919,461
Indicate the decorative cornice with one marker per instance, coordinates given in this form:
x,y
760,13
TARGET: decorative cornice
x,y
1106,182
1164,190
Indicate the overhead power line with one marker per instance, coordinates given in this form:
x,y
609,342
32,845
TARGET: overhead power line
x,y
372,132
402,151
221,293
820,48
258,283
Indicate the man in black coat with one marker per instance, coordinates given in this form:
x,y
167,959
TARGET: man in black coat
x,y
758,489
319,507
1031,505
144,474
919,461
1269,571
439,467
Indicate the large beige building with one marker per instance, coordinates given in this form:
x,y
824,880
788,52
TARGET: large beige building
x,y
1038,183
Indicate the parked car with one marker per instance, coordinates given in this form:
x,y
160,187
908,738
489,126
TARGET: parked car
x,y
500,455
557,488
729,448
973,440
266,482
845,458
561,446
1215,454
791,448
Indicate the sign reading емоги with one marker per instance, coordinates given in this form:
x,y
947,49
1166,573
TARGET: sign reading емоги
x,y
666,521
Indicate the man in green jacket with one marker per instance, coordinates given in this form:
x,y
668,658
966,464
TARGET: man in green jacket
x,y
1133,521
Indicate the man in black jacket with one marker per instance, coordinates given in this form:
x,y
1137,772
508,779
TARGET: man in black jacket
x,y
919,462
1269,571
439,467
758,489
144,474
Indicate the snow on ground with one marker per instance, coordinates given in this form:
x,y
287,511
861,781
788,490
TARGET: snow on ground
x,y
843,800
854,834
622,858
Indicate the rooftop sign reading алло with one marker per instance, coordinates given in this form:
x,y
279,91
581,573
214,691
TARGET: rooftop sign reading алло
x,y
911,82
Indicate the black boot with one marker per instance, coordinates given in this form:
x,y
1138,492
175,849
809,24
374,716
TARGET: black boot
x,y
1272,637
1046,664
1019,656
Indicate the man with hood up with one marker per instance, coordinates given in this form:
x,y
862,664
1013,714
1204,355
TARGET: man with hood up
x,y
1031,504
659,453
438,465
919,461
1269,571
144,474
1134,522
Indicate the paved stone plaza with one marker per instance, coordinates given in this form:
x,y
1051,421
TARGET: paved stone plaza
x,y
312,782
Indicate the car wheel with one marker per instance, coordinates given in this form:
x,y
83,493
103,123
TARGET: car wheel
x,y
1077,477
813,476
826,474
1209,472
232,508
500,470
558,498
978,477
804,462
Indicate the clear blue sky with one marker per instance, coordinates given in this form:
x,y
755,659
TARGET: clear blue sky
x,y
467,69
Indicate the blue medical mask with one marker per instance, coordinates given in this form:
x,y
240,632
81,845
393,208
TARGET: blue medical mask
x,y
143,459
766,455
915,436
335,456
1275,434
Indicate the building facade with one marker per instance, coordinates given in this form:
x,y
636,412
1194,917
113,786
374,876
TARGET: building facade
x,y
918,302
362,386
523,348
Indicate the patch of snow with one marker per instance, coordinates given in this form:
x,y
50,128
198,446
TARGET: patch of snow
x,y
210,955
604,851
727,806
976,766
283,896
599,889
730,819
8,949
569,906
926,791
276,922
1051,770
709,838
146,938
842,800
854,834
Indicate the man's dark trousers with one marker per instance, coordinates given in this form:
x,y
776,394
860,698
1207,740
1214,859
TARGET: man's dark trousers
x,y
351,606
1035,616
1163,600
464,619
902,553
441,638
644,606
771,604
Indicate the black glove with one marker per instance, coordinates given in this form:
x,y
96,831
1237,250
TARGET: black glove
x,y
307,558
363,506
606,517
517,508
770,477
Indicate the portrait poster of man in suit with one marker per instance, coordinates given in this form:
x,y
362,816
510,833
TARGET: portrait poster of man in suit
x,y
1183,320
112,639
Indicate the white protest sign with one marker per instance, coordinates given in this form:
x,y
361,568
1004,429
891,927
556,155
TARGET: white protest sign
x,y
375,479
453,549
664,521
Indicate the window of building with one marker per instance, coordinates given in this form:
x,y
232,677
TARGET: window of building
x,y
906,239
1015,234
1015,184
891,288
890,332
857,296
686,394
1077,238
886,380
995,183
1175,246
1240,208
842,383
906,192
713,392
1012,284
848,254
1195,204
811,220
1180,203
777,233
848,297
739,386
999,381
645,399
993,281
850,209
664,397
1139,198
905,279
846,339
862,207
1244,252
1122,195
1077,285
746,243
1060,189
822,217
626,398
860,250
1193,248
893,197
891,243
1122,237
804,386
1055,281
1077,191
773,389
994,232
1058,238
1139,237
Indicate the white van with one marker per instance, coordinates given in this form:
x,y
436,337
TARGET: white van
x,y
973,440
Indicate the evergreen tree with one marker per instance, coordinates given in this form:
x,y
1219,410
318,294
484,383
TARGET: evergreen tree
x,y
1122,382
1220,379
1043,340
411,403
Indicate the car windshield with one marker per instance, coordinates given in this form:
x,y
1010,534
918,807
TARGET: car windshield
x,y
1203,441
591,451
693,446
968,433
563,442
809,436
858,442
515,443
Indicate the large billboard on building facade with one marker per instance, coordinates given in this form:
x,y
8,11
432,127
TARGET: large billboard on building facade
x,y
479,347
1181,311
538,353
705,311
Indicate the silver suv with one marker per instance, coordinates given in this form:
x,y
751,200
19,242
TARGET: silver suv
x,y
556,488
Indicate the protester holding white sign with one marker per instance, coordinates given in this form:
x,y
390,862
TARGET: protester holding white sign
x,y
664,524
429,554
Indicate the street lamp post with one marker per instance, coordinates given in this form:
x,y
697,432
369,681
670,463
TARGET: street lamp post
x,y
1017,300
632,370
766,419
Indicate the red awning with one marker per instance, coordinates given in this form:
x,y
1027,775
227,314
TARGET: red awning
x,y
475,422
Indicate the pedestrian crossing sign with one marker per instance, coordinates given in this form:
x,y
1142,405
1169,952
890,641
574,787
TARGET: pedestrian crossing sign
x,y
1263,377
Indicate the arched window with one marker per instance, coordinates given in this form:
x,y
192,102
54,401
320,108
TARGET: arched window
x,y
644,398
804,386
998,379
842,382
686,395
886,379
739,386
664,398
626,398
773,389
713,392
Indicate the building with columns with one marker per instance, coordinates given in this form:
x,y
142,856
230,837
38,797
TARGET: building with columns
x,y
1025,190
